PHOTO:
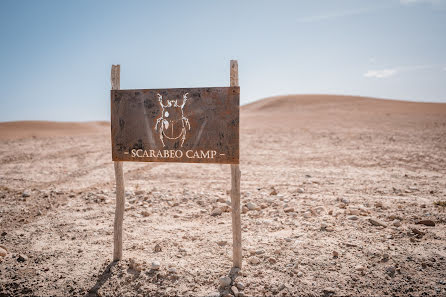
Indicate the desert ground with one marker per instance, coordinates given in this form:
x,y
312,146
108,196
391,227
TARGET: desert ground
x,y
341,195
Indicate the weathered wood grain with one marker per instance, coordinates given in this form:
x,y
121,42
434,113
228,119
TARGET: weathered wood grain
x,y
120,191
235,192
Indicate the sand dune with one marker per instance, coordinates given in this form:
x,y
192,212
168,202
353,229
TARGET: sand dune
x,y
289,103
305,110
24,129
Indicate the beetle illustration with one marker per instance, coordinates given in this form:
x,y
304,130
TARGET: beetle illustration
x,y
172,122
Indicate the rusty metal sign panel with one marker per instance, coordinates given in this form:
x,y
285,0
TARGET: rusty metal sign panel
x,y
190,125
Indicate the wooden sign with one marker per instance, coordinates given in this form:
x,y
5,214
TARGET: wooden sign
x,y
199,125
189,125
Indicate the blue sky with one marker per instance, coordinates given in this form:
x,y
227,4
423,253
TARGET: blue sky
x,y
56,56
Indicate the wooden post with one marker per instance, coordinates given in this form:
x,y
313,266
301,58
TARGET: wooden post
x,y
119,175
235,192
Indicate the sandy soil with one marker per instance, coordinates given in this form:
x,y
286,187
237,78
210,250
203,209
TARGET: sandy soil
x,y
338,196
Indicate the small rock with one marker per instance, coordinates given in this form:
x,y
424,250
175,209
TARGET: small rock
x,y
328,290
26,193
353,218
378,204
272,260
289,209
216,212
225,281
390,271
273,192
359,268
145,213
22,258
345,201
300,190
426,223
222,242
172,270
418,232
396,223
157,248
329,229
252,206
254,260
234,290
244,209
318,210
155,265
3,252
335,254
226,208
300,274
350,244
134,265
325,227
376,222
307,214
354,212
240,286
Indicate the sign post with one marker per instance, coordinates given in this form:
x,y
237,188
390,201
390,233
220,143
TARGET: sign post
x,y
187,125
119,175
235,191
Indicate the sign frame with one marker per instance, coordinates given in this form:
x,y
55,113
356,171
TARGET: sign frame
x,y
187,125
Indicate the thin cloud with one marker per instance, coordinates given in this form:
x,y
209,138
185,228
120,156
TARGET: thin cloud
x,y
333,15
436,4
384,73
420,1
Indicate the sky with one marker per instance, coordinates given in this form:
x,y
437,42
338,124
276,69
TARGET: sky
x,y
56,56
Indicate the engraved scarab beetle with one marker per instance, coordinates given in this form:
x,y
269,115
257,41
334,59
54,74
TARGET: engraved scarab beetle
x,y
172,123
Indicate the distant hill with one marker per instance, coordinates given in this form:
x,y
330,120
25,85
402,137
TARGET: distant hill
x,y
331,111
25,129
280,112
289,103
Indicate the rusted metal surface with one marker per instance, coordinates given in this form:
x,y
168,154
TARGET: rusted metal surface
x,y
189,125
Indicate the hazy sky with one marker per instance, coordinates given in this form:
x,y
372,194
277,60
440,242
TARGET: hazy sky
x,y
55,56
